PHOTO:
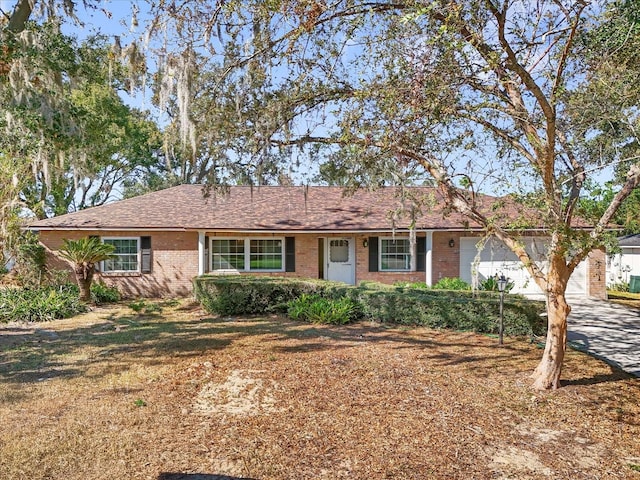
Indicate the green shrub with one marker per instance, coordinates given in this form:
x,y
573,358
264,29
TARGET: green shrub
x,y
144,307
453,310
491,285
39,305
451,284
420,285
30,260
57,277
298,307
316,309
101,293
404,305
249,295
619,287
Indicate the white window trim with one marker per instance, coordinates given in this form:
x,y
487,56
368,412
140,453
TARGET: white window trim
x,y
247,254
138,261
380,240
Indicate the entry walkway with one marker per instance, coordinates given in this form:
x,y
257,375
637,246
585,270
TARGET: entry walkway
x,y
607,330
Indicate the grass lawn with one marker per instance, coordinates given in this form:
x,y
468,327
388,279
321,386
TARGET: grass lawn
x,y
631,300
112,395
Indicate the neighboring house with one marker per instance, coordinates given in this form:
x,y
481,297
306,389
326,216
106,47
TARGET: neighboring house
x,y
621,266
164,239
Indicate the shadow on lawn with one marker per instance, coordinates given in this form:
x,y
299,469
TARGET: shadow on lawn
x,y
37,353
125,339
42,354
198,476
617,390
615,375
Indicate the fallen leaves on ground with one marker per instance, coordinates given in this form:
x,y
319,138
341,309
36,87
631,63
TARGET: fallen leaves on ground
x,y
114,395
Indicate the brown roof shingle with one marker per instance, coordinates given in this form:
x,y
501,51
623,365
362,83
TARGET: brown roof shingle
x,y
262,208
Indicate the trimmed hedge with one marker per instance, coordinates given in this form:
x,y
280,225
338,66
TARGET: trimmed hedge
x,y
452,310
249,295
403,305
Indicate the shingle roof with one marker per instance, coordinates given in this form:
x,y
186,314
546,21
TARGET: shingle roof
x,y
630,240
260,208
271,208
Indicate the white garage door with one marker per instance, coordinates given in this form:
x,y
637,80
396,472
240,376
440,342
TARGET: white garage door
x,y
621,266
497,258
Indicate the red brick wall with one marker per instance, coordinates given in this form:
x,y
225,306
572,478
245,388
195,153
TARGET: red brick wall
x,y
446,259
175,261
52,241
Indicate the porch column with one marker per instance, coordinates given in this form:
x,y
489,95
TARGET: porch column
x,y
428,264
201,259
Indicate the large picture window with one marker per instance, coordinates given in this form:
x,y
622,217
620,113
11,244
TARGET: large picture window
x,y
266,254
395,254
227,254
248,254
125,256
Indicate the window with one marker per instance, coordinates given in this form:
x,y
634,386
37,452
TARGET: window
x,y
126,258
339,251
266,254
227,254
249,254
395,254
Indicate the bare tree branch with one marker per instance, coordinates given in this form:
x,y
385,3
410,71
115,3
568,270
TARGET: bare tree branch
x,y
562,61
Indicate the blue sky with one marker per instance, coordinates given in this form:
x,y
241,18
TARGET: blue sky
x,y
119,23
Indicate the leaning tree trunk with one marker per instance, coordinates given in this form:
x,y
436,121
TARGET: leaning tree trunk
x,y
547,373
84,276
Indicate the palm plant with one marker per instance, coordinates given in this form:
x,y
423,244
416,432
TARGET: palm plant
x,y
84,254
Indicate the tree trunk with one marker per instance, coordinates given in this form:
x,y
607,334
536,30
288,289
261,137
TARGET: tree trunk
x,y
547,373
20,16
84,276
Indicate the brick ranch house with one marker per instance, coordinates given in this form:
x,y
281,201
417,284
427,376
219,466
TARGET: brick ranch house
x,y
166,238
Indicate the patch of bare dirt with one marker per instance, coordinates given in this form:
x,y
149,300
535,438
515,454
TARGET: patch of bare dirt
x,y
184,396
243,393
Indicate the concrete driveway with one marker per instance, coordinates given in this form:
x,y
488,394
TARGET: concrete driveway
x,y
606,330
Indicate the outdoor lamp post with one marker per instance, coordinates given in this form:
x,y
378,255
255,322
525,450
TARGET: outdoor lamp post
x,y
502,284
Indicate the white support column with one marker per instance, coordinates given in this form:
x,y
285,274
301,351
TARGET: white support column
x,y
201,258
428,264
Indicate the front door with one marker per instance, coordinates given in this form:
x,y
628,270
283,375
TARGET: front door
x,y
341,264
